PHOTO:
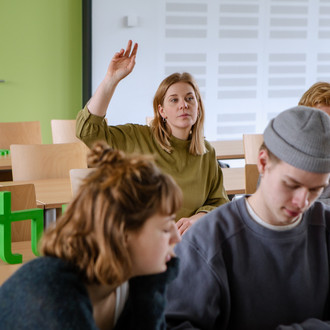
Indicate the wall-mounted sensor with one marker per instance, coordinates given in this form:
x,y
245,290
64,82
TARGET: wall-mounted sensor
x,y
132,20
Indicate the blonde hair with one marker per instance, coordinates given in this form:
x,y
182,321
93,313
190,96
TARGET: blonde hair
x,y
319,93
162,132
119,196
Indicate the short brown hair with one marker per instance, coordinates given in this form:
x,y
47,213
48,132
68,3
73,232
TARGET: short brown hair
x,y
162,132
271,156
119,196
319,93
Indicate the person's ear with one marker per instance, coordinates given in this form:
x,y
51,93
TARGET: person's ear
x,y
263,161
161,111
126,238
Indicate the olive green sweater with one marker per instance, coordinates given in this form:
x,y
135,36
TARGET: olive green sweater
x,y
199,177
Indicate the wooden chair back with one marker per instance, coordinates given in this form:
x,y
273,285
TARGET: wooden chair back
x,y
25,132
251,178
76,176
64,130
228,149
46,161
251,144
23,197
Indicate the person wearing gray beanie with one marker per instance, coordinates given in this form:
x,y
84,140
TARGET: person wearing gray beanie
x,y
300,136
262,261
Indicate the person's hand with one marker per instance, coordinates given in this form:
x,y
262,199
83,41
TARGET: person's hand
x,y
185,223
123,62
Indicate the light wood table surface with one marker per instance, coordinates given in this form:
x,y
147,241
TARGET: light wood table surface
x,y
234,180
50,193
23,248
231,149
53,193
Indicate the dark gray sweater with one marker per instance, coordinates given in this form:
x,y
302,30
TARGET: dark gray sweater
x,y
236,274
48,293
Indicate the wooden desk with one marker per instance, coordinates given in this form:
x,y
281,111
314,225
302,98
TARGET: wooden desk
x,y
50,193
232,149
53,193
234,180
23,248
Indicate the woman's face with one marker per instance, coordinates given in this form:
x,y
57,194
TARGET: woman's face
x,y
152,246
180,109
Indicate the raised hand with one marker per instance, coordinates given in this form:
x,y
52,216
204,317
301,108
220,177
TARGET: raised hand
x,y
123,62
120,66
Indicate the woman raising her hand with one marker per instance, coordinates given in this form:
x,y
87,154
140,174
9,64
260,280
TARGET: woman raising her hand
x,y
175,136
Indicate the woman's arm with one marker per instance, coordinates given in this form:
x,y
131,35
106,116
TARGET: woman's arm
x,y
121,65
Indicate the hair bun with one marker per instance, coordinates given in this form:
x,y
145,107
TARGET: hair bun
x,y
102,154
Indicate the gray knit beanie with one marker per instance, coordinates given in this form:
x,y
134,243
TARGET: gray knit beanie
x,y
300,136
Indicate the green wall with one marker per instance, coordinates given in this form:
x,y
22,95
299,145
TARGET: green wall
x,y
40,61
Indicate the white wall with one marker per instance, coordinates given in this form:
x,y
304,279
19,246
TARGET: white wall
x,y
132,101
251,58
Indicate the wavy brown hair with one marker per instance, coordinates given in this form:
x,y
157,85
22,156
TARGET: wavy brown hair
x,y
319,93
162,132
119,196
